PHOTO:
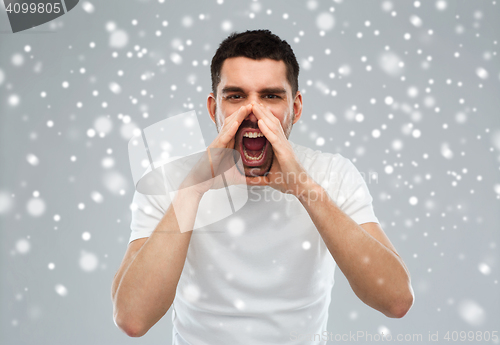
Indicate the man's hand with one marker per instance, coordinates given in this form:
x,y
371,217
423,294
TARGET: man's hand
x,y
225,139
286,174
218,158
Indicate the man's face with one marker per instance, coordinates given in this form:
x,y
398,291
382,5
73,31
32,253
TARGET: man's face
x,y
244,80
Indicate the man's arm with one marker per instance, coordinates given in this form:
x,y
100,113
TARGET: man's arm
x,y
376,273
143,291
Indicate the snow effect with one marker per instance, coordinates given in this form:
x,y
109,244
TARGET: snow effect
x,y
471,312
36,207
118,39
32,159
61,290
391,63
325,21
88,261
191,293
239,304
88,7
404,90
236,226
23,246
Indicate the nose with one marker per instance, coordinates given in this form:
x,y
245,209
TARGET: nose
x,y
251,117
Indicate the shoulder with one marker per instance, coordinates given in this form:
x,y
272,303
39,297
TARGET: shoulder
x,y
316,160
148,203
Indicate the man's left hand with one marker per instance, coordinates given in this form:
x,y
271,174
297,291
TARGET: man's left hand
x,y
286,174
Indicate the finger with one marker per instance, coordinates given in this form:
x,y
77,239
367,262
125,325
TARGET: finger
x,y
271,129
239,115
268,133
276,138
228,134
232,123
269,119
266,112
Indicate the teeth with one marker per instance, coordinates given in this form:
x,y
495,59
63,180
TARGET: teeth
x,y
253,158
253,134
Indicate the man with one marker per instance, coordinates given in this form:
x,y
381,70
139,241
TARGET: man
x,y
263,275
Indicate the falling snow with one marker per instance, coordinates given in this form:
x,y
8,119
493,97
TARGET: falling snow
x,y
88,261
406,91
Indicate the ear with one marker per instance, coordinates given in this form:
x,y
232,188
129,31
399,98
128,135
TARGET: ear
x,y
211,102
297,106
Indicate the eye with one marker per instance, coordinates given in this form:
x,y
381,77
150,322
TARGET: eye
x,y
231,96
274,96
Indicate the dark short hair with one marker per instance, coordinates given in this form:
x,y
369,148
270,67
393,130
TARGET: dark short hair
x,y
255,44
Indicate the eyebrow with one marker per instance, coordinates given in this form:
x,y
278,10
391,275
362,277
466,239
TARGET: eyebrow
x,y
277,90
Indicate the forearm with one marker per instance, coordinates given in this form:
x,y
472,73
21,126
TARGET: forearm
x,y
377,275
146,288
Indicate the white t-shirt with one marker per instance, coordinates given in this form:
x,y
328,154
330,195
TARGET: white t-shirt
x,y
262,275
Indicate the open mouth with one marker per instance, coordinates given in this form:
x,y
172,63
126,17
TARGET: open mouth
x,y
253,147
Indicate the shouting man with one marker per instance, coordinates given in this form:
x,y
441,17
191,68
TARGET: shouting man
x,y
266,274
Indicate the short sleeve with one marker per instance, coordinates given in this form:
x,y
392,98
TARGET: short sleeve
x,y
147,211
354,198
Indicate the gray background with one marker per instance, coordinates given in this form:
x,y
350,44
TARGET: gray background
x,y
446,90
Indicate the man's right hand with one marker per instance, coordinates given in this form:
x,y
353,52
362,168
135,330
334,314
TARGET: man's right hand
x,y
221,160
225,139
